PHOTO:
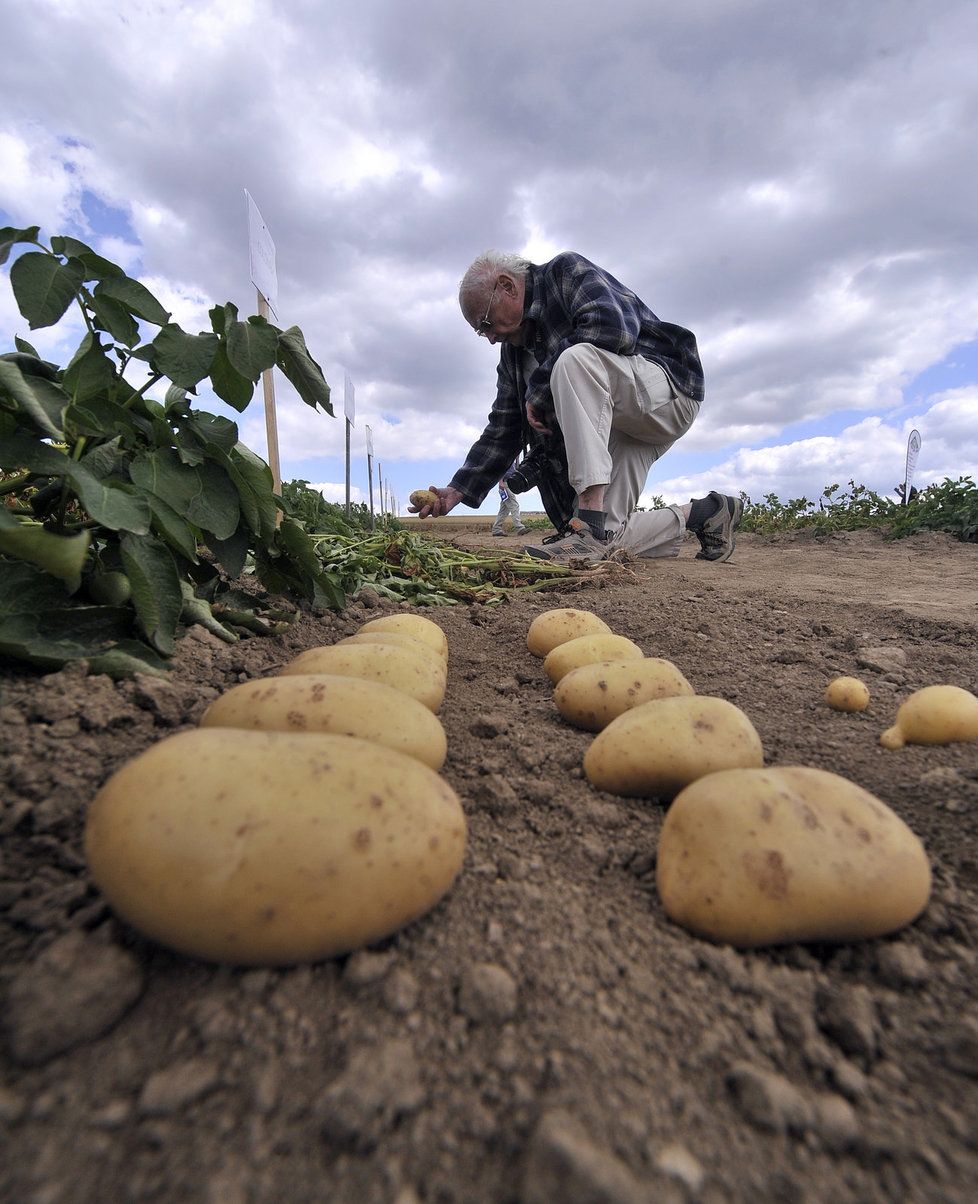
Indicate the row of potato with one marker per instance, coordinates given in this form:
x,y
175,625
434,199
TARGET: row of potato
x,y
748,854
304,817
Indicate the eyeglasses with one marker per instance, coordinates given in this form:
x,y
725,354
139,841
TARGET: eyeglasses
x,y
486,325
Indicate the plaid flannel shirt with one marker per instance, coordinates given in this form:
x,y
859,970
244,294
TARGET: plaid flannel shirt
x,y
568,300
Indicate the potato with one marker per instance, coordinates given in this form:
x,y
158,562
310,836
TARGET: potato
x,y
588,649
659,747
397,639
934,715
406,670
591,696
268,848
344,706
766,856
420,498
847,694
410,624
555,627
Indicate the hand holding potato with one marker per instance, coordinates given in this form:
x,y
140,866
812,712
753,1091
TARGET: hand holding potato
x,y
434,502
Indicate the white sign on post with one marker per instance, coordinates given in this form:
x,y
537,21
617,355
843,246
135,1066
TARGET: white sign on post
x,y
261,254
349,399
370,443
913,451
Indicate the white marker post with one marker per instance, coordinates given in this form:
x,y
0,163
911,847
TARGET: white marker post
x,y
380,488
370,473
349,409
261,254
913,451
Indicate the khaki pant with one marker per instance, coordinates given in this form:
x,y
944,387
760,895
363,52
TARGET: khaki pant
x,y
618,415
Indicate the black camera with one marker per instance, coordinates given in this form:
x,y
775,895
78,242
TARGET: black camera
x,y
541,462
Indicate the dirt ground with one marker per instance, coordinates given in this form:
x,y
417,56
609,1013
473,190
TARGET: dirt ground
x,y
545,1034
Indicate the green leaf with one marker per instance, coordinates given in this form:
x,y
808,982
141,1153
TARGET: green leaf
x,y
302,370
44,287
93,265
91,373
233,388
100,417
156,592
10,236
203,494
212,432
184,358
231,553
252,347
41,626
39,399
113,317
23,346
173,529
61,556
114,504
135,297
253,479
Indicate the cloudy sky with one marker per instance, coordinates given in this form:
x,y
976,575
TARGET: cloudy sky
x,y
796,183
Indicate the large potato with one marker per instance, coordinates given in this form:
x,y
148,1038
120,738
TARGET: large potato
x,y
659,747
934,715
410,624
588,649
558,626
406,670
344,706
764,856
591,696
266,848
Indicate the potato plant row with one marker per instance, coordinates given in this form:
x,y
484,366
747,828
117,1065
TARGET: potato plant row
x,y
748,854
304,818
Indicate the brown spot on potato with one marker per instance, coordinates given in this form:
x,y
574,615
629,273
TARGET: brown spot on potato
x,y
433,842
769,872
296,719
376,802
864,836
268,914
318,691
361,839
808,817
602,685
766,812
703,725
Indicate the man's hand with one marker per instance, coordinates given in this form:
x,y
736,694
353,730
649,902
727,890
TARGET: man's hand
x,y
445,499
534,419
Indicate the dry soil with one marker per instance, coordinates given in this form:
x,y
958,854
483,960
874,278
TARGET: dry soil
x,y
545,1033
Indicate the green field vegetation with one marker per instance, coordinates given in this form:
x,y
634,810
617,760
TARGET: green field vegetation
x,y
950,506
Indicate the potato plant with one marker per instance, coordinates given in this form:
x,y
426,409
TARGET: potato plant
x,y
124,515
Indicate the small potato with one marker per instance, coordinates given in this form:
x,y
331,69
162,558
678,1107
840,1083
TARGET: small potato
x,y
847,694
555,627
343,706
934,715
410,624
659,747
591,696
406,670
397,639
420,498
587,650
767,856
268,848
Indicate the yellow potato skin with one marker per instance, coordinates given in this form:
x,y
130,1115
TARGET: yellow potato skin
x,y
423,497
586,650
399,640
758,857
343,706
402,668
847,694
592,695
659,747
555,627
934,715
414,625
266,848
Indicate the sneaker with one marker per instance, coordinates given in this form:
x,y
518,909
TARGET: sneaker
x,y
717,535
579,543
498,533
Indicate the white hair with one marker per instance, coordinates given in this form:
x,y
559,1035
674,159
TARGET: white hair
x,y
483,271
